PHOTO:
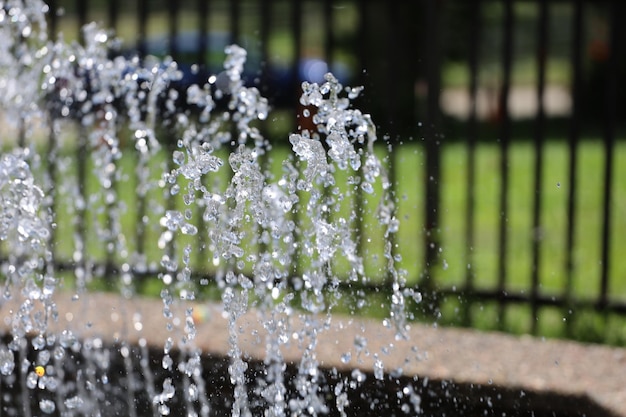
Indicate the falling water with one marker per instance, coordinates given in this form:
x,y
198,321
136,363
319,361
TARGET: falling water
x,y
277,245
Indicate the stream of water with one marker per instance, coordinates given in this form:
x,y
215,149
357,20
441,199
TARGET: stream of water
x,y
265,257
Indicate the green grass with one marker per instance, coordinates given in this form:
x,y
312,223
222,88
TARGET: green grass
x,y
519,225
451,272
409,169
524,73
408,160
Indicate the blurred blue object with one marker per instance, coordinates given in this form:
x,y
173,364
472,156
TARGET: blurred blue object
x,y
275,78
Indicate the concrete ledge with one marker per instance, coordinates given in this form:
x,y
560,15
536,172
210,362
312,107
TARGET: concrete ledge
x,y
564,376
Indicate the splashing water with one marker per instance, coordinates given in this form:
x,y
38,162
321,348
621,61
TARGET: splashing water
x,y
278,244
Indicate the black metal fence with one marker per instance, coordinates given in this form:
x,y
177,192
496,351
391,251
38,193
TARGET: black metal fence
x,y
445,80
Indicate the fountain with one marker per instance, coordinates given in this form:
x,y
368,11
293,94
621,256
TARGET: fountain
x,y
180,194
274,245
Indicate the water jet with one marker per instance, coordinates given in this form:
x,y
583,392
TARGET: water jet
x,y
192,201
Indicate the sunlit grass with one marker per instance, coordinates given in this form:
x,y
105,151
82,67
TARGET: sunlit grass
x,y
519,226
454,266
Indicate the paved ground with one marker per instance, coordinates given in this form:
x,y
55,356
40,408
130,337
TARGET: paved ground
x,y
571,373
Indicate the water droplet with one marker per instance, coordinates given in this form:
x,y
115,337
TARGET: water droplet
x,y
43,357
378,369
251,224
59,353
47,406
74,402
358,376
39,342
178,157
167,362
192,392
188,229
367,187
7,361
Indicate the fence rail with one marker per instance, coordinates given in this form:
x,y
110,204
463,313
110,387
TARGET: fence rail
x,y
409,55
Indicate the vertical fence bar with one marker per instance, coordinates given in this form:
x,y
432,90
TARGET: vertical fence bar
x,y
113,10
392,74
80,221
173,9
202,8
610,113
141,216
296,30
264,34
142,27
265,16
52,170
113,221
82,8
52,167
53,19
111,225
266,21
361,46
475,22
433,157
266,9
362,56
234,18
141,167
329,32
82,268
574,137
393,39
505,133
542,53
293,93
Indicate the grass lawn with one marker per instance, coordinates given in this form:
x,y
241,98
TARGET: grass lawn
x,y
455,259
482,259
110,228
